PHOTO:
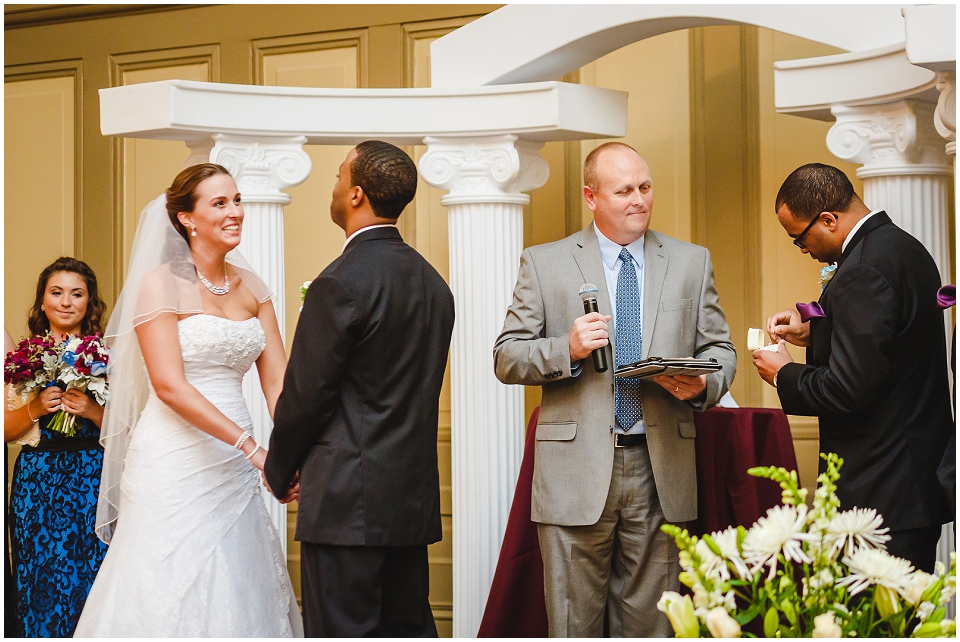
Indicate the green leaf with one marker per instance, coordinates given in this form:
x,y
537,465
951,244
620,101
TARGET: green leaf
x,y
937,615
771,622
789,611
747,616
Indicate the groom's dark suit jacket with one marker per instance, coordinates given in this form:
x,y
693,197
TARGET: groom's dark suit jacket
x,y
877,377
358,412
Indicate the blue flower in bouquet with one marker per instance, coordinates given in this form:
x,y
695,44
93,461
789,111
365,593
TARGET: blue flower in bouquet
x,y
69,358
98,368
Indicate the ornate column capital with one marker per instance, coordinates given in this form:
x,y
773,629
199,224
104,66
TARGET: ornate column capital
x,y
945,119
484,170
261,166
895,138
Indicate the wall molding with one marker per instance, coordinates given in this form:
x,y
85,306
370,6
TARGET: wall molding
x,y
32,15
120,64
752,191
413,31
698,136
319,41
71,68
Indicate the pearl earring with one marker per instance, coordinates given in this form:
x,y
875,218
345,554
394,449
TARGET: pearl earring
x,y
193,231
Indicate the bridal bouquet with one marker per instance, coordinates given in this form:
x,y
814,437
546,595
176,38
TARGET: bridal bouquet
x,y
77,363
806,573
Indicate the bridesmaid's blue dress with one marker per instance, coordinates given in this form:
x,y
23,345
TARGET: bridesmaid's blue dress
x,y
53,509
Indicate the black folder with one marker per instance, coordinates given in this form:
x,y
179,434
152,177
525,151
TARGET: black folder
x,y
653,366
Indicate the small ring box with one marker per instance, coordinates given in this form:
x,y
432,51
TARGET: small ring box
x,y
756,340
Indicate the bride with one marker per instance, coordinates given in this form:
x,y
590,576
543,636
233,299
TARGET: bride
x,y
192,549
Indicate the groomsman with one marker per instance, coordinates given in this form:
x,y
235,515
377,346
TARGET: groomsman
x,y
876,373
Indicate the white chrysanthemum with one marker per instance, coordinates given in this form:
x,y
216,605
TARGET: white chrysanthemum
x,y
726,541
781,531
860,526
712,565
875,566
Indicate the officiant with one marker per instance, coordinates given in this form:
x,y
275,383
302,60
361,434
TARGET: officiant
x,y
614,458
876,372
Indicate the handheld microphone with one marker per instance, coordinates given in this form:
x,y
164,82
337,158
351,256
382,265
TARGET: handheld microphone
x,y
588,294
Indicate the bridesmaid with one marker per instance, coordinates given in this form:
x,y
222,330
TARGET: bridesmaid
x,y
53,498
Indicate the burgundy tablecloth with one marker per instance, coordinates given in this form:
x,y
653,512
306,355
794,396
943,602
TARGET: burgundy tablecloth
x,y
729,441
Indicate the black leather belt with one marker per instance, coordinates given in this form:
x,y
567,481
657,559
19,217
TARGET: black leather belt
x,y
626,441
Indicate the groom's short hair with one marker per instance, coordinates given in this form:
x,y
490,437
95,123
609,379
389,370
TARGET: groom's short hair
x,y
814,188
387,176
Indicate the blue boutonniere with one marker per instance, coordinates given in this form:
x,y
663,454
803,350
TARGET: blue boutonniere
x,y
826,275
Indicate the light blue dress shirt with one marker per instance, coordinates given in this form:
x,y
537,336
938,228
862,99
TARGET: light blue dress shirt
x,y
610,257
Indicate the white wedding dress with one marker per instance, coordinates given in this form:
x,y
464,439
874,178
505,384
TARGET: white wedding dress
x,y
194,553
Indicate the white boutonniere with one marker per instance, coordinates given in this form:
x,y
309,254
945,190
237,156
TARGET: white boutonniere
x,y
303,293
826,274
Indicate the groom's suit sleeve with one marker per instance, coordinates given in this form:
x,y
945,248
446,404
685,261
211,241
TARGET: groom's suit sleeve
x,y
311,387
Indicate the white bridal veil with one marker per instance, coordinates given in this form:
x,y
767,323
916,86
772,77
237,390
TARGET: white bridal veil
x,y
160,279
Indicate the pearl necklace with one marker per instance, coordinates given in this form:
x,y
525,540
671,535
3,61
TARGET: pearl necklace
x,y
219,290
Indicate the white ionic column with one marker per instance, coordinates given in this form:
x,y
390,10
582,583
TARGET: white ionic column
x,y
905,169
485,177
945,118
261,168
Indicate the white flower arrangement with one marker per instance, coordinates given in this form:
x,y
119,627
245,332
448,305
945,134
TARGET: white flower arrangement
x,y
806,573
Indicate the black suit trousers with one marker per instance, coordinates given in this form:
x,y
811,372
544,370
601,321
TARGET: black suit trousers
x,y
916,545
365,591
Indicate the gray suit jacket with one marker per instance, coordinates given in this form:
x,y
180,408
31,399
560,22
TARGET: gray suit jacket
x,y
574,452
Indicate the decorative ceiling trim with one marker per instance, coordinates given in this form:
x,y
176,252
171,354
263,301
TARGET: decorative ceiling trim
x,y
18,16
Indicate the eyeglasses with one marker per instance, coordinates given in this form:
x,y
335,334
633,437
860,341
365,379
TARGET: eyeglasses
x,y
798,241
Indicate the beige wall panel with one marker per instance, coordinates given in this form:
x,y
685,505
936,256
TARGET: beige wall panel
x,y
39,208
655,73
311,240
725,215
149,166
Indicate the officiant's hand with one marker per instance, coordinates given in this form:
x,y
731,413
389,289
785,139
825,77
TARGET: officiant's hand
x,y
683,387
787,326
769,363
589,332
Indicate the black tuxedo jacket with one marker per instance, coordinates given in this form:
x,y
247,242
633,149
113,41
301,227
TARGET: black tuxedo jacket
x,y
877,377
358,412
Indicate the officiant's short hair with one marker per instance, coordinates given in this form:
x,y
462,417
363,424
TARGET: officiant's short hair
x,y
815,188
387,176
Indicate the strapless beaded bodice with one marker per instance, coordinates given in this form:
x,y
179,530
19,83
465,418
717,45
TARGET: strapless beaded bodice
x,y
215,348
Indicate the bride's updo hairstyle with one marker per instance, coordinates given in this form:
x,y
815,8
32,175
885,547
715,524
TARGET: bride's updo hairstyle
x,y
182,193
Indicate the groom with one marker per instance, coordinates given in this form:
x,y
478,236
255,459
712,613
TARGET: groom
x,y
358,414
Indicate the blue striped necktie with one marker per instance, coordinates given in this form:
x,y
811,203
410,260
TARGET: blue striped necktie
x,y
629,342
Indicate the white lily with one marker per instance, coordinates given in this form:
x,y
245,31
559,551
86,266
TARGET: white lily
x,y
721,625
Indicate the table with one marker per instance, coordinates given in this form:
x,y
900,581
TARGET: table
x,y
729,441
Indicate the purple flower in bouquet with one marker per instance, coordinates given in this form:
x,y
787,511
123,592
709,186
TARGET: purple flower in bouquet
x,y
31,366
